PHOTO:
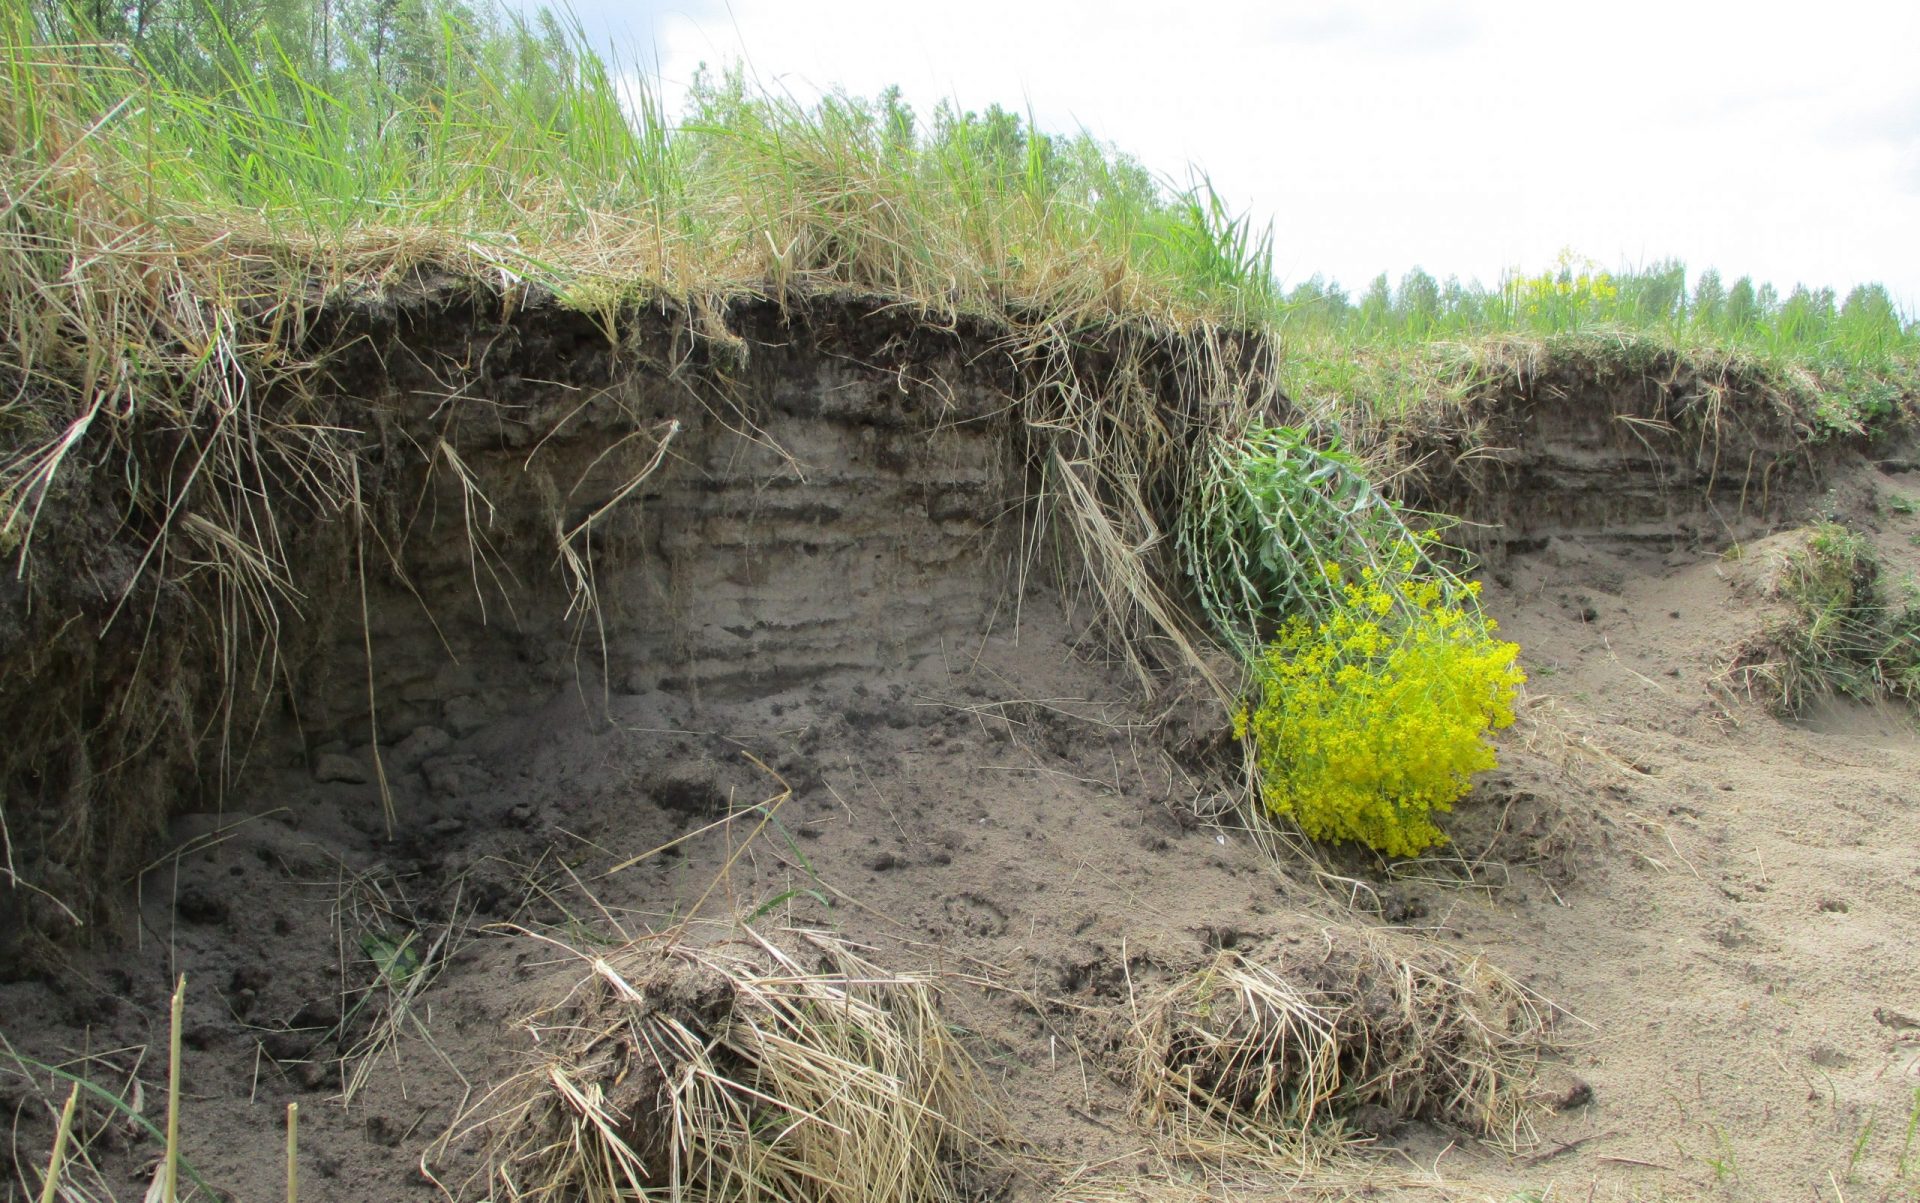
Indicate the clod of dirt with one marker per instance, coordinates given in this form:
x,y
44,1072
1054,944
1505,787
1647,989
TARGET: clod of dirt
x,y
339,767
418,746
733,1071
690,789
1350,1035
1889,1017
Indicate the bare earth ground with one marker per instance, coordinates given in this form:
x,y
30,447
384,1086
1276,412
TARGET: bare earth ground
x,y
1722,903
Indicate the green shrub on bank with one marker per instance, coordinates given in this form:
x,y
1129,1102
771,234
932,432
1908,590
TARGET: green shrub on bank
x,y
1269,510
1376,678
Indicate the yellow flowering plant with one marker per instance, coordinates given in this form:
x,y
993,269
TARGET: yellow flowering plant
x,y
1367,721
1572,297
1376,678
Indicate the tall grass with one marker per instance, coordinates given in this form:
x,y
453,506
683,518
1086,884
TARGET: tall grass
x,y
511,142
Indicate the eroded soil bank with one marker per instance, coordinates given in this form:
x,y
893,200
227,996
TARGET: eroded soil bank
x,y
821,581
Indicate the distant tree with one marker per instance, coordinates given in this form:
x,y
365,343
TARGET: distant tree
x,y
989,146
1743,306
1657,294
1417,305
1376,304
1461,306
1869,322
896,121
1319,300
1709,301
1806,315
1869,304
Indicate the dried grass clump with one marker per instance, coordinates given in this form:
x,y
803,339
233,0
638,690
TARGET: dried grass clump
x,y
1352,1033
1831,627
733,1072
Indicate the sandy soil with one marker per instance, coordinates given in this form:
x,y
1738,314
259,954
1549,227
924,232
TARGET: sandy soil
x,y
1721,903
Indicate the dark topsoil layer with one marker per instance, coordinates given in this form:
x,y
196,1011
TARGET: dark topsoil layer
x,y
828,585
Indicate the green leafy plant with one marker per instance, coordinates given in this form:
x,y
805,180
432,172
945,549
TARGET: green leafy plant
x,y
1270,509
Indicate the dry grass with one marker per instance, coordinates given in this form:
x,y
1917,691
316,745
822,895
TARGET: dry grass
x,y
1288,1056
1115,462
732,1066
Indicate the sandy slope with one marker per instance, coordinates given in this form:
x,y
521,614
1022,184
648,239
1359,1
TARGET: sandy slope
x,y
1738,937
1722,903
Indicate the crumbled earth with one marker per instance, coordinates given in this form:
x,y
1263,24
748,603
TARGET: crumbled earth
x,y
1719,901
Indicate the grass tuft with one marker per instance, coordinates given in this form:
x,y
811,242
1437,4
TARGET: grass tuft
x,y
1840,635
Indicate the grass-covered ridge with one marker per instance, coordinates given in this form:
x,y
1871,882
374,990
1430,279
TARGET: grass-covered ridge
x,y
420,128
1851,363
284,141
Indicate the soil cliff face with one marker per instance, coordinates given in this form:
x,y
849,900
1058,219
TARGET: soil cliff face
x,y
818,501
1657,454
469,499
750,619
714,503
476,499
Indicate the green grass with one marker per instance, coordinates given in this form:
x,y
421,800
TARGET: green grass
x,y
510,147
256,157
1578,296
1843,634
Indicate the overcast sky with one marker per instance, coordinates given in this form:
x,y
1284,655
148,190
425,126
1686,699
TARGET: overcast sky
x,y
1465,138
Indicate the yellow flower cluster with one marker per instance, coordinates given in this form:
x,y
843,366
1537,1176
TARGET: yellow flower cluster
x,y
1576,288
1365,722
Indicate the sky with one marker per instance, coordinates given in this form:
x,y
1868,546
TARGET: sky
x,y
1465,138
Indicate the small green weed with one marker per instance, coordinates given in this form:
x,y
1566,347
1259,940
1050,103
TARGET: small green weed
x,y
1724,1165
806,866
1860,1144
1906,1146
